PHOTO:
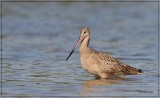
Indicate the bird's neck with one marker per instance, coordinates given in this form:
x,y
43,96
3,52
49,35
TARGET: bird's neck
x,y
85,44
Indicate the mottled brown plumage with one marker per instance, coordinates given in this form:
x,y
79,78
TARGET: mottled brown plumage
x,y
100,64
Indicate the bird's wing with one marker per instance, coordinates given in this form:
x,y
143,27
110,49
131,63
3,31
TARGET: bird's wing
x,y
109,64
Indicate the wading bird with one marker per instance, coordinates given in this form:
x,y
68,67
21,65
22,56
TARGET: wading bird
x,y
100,64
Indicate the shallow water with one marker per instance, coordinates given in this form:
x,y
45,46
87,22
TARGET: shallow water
x,y
38,36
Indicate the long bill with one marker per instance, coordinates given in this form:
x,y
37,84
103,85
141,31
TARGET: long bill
x,y
78,42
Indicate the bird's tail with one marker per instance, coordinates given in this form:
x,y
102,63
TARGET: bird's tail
x,y
128,70
140,71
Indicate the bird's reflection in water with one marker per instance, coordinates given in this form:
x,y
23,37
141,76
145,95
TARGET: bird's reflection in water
x,y
98,86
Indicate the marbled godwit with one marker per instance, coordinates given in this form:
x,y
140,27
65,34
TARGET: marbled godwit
x,y
100,64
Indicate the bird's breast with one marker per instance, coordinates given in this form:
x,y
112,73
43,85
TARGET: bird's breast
x,y
89,63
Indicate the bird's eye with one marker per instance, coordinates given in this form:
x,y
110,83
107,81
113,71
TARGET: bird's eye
x,y
83,32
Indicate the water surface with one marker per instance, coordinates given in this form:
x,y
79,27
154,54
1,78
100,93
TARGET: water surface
x,y
38,36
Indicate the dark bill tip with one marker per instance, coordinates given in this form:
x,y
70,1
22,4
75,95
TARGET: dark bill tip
x,y
70,54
